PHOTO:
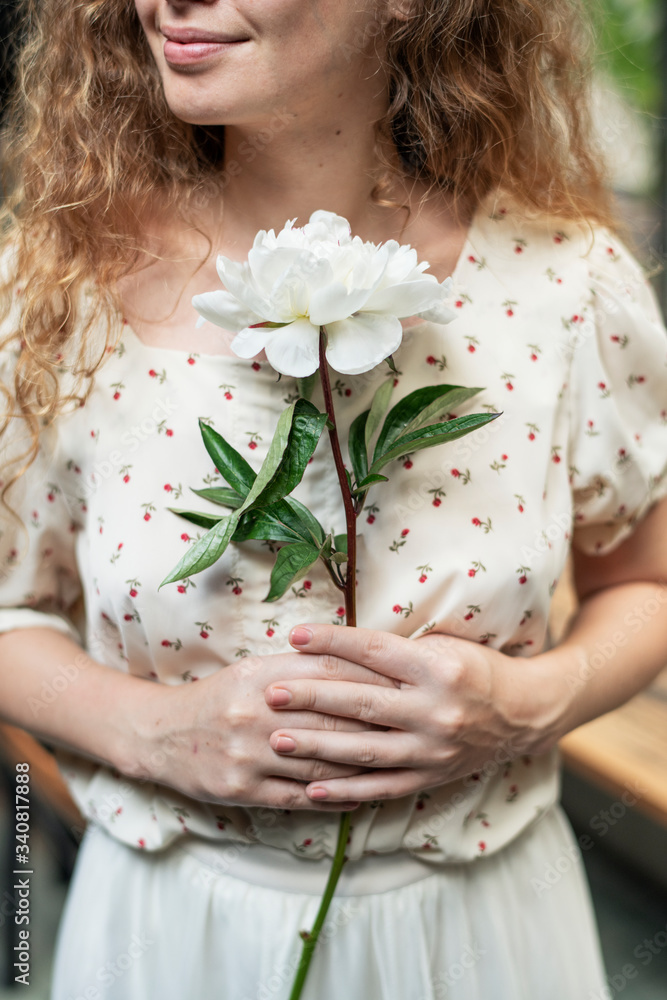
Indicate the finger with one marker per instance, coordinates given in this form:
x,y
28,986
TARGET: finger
x,y
280,793
364,750
391,707
307,771
322,666
319,720
368,787
384,653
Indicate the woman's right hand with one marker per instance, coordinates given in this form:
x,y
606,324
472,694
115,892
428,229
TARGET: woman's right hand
x,y
210,739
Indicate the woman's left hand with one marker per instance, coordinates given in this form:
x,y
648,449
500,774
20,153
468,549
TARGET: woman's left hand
x,y
455,706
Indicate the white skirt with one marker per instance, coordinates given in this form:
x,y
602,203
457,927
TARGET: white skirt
x,y
212,921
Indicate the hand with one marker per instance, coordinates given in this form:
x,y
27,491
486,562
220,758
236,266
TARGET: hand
x,y
210,740
453,705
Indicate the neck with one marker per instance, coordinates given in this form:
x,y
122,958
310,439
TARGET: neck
x,y
286,170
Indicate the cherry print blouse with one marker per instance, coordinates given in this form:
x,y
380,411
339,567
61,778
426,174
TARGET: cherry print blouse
x,y
561,330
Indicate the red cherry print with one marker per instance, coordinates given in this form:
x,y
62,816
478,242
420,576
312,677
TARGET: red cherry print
x,y
228,395
520,508
395,382
252,445
456,473
191,361
459,304
476,521
472,572
420,804
423,578
533,357
168,487
133,593
307,842
203,634
141,842
468,616
523,579
397,609
437,502
531,436
152,373
120,545
407,464
181,589
270,632
471,259
165,642
116,394
255,366
615,339
602,385
348,392
482,845
340,612
509,386
169,432
185,537
237,590
518,249
640,379
51,497
558,238
126,478
370,519
128,618
430,360
510,312
406,531
556,459
147,516
307,585
504,458
472,348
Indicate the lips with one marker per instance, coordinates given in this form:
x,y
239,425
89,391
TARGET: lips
x,y
187,45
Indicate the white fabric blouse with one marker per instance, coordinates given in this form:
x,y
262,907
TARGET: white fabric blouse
x,y
562,331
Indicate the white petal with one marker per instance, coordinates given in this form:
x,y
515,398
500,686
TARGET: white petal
x,y
247,343
440,313
294,349
224,309
238,279
407,298
336,302
360,343
268,265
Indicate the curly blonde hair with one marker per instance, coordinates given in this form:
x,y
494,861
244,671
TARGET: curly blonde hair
x,y
482,93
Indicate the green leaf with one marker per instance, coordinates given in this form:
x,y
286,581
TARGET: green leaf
x,y
232,466
340,542
392,365
298,430
220,495
197,517
306,385
405,411
435,434
439,407
299,514
378,408
261,526
292,564
356,446
206,551
368,482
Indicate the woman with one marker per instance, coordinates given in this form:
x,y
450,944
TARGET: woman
x,y
145,138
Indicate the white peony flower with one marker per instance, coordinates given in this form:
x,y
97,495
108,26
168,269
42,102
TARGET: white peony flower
x,y
319,275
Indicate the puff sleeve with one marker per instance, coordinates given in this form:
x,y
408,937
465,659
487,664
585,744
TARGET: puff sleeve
x,y
618,387
39,581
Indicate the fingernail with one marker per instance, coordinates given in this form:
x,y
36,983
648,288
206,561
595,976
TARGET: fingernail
x,y
300,636
318,793
285,744
280,696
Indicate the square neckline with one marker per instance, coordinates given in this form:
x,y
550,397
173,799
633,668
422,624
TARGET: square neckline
x,y
235,359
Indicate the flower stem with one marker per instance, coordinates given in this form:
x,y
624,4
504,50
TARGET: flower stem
x,y
348,500
310,939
